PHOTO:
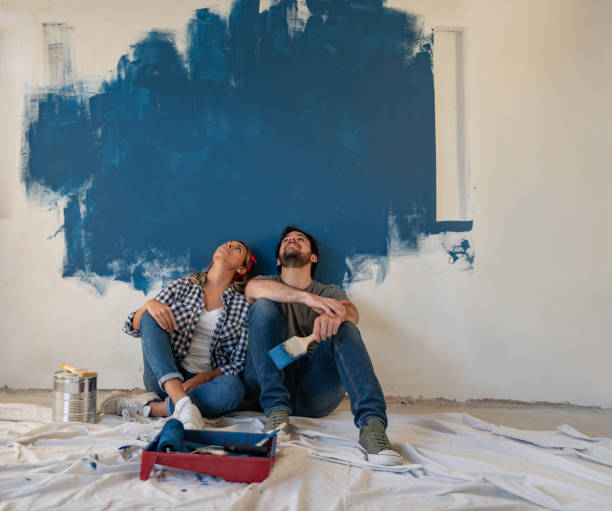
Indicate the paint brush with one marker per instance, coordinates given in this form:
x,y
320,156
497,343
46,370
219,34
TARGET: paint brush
x,y
272,433
83,373
288,352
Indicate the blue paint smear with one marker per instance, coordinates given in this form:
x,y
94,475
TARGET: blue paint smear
x,y
461,251
262,123
92,463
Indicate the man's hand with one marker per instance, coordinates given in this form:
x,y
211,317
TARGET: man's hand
x,y
199,379
162,314
327,306
325,326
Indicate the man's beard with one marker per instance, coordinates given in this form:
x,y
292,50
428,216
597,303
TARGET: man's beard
x,y
294,259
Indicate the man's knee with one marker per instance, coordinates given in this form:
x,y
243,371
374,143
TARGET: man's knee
x,y
264,310
348,330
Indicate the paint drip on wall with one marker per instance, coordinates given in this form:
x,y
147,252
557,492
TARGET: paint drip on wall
x,y
315,113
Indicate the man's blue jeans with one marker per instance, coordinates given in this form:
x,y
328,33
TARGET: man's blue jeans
x,y
313,386
219,396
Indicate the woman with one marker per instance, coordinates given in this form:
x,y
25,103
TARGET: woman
x,y
194,341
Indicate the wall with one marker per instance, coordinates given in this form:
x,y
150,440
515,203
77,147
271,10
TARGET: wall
x,y
525,320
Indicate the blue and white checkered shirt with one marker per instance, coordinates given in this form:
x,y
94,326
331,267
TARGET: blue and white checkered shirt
x,y
229,342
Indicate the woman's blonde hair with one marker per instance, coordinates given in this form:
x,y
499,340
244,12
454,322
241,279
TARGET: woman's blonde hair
x,y
240,281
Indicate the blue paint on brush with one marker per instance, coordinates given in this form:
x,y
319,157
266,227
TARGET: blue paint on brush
x,y
262,123
282,358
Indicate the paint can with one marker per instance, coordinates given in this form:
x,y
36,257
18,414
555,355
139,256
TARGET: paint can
x,y
74,396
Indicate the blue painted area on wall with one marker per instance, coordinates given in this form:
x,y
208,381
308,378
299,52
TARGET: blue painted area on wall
x,y
265,121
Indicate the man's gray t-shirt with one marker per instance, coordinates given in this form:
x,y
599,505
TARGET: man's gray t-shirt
x,y
300,317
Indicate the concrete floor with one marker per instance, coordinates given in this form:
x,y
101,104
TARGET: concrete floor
x,y
592,421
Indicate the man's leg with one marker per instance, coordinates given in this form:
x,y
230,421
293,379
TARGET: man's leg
x,y
266,330
251,381
340,363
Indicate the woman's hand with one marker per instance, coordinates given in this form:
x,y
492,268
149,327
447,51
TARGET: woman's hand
x,y
162,314
200,379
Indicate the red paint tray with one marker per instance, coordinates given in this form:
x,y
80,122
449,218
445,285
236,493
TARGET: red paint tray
x,y
238,469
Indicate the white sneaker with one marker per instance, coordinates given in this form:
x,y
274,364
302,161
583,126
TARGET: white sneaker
x,y
188,414
120,403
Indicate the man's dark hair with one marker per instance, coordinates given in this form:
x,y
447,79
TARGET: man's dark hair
x,y
314,246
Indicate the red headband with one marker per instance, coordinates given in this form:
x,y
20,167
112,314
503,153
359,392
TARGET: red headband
x,y
250,265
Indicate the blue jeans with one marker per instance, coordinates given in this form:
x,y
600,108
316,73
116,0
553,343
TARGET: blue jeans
x,y
313,386
218,396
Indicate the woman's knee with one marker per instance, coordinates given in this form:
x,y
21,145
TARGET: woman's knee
x,y
221,395
147,322
231,386
150,331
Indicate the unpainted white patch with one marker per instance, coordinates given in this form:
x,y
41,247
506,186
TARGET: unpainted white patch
x,y
433,249
264,5
92,282
162,267
297,17
59,55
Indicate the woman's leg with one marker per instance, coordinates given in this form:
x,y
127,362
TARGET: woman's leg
x,y
161,374
161,378
150,381
165,408
221,395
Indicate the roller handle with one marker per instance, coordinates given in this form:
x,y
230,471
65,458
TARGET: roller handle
x,y
251,450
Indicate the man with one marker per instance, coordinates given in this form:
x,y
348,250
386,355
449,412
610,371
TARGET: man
x,y
313,386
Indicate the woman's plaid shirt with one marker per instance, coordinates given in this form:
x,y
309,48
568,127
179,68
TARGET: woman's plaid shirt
x,y
229,342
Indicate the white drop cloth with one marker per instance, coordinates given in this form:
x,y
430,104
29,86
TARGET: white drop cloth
x,y
454,461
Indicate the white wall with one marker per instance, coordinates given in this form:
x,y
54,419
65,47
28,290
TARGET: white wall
x,y
532,320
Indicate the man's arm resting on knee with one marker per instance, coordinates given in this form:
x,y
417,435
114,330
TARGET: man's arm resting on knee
x,y
325,325
279,292
352,313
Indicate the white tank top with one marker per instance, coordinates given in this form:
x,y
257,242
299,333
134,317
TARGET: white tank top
x,y
198,356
